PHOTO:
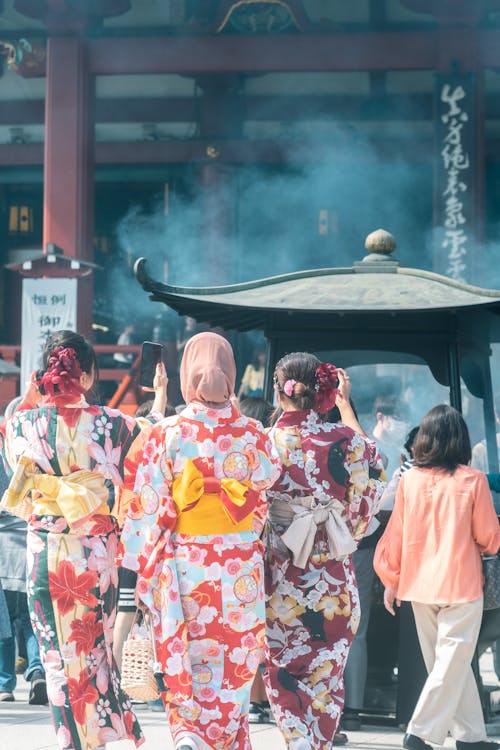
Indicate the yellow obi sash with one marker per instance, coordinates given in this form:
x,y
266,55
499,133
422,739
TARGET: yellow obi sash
x,y
208,505
75,496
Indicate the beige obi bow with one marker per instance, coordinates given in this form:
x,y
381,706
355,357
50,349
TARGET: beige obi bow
x,y
76,496
302,518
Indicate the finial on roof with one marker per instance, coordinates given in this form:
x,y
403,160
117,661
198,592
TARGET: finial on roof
x,y
380,242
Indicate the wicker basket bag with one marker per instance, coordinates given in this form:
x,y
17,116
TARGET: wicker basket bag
x,y
139,660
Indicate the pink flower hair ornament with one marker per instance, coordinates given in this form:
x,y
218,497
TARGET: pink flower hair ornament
x,y
288,387
326,387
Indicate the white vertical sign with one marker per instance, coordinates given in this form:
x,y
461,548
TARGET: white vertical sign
x,y
48,305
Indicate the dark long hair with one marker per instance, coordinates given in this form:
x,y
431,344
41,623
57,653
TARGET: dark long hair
x,y
257,407
442,440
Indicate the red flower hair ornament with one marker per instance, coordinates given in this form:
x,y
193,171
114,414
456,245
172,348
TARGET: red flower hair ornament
x,y
326,387
62,376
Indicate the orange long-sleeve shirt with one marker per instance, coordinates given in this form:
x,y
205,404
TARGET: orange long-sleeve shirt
x,y
441,522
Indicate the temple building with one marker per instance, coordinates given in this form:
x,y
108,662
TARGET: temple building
x,y
227,141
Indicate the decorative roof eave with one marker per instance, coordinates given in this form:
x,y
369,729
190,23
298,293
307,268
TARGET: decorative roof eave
x,y
370,287
52,263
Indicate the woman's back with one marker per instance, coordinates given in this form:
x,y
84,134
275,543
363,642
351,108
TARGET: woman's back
x,y
61,440
328,461
442,521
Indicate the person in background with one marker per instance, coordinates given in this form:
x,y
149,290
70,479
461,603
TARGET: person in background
x,y
411,667
13,580
328,491
5,628
479,458
356,669
389,496
258,408
252,382
430,555
390,430
126,578
190,537
60,451
188,331
123,359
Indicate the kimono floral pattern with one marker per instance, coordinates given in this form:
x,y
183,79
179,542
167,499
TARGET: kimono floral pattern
x,y
313,613
72,579
73,620
205,591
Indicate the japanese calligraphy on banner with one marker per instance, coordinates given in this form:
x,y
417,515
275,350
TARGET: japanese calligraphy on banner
x,y
48,305
455,206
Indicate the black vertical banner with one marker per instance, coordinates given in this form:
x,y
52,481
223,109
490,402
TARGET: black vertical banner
x,y
455,183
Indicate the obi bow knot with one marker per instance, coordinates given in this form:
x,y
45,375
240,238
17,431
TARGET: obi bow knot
x,y
302,518
76,496
237,500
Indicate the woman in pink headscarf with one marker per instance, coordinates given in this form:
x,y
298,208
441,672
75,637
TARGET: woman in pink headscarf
x,y
189,536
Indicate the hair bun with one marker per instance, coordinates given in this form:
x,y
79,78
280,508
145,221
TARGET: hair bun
x,y
62,375
299,389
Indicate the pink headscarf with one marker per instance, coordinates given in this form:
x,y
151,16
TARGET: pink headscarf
x,y
208,371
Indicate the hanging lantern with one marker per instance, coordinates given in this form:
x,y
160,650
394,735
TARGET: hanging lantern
x,y
21,220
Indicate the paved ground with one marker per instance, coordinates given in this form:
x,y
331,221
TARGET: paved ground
x,y
25,727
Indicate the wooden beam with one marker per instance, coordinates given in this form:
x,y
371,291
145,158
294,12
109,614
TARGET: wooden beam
x,y
256,108
259,54
233,152
343,51
167,109
383,50
21,154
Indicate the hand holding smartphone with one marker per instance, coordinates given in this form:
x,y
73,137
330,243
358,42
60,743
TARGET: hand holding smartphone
x,y
151,355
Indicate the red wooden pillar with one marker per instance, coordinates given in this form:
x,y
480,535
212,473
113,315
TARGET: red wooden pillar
x,y
69,161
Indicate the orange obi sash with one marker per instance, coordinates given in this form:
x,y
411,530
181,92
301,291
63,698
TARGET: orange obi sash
x,y
208,505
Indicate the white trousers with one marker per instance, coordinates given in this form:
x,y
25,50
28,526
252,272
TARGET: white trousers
x,y
449,701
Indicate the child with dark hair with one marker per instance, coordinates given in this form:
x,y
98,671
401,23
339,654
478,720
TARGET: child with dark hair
x,y
430,555
257,407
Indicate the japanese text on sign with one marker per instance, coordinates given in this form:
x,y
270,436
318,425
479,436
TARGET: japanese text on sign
x,y
456,164
49,305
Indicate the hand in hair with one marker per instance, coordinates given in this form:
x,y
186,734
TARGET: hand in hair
x,y
32,395
344,386
343,403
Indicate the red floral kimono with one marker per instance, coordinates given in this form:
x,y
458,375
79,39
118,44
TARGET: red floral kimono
x,y
328,491
59,460
190,537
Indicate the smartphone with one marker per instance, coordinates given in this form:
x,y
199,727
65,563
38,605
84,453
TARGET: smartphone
x,y
151,354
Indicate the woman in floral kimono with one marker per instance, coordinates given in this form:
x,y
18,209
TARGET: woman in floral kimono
x,y
328,491
190,537
59,453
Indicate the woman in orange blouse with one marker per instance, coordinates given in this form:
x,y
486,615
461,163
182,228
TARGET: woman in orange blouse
x,y
443,519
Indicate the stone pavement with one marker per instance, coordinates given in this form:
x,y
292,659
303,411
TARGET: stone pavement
x,y
25,727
